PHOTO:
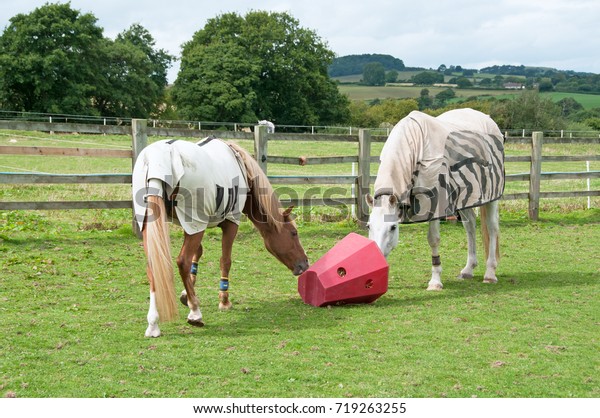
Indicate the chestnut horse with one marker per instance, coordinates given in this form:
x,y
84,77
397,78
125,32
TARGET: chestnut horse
x,y
199,186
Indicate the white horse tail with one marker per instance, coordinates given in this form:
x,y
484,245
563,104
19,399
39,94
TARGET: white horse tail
x,y
158,244
483,210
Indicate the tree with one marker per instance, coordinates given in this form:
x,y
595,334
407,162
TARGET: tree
x,y
360,115
56,60
445,95
462,82
381,112
355,64
374,74
425,99
48,60
593,123
390,111
569,105
486,82
222,88
529,111
391,76
134,75
545,85
260,66
428,78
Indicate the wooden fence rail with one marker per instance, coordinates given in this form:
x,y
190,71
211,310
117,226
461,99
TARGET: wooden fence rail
x,y
139,131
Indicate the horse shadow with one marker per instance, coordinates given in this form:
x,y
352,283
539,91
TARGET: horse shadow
x,y
292,314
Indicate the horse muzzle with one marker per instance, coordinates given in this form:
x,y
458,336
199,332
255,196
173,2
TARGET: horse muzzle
x,y
300,267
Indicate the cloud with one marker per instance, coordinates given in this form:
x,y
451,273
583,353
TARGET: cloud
x,y
471,33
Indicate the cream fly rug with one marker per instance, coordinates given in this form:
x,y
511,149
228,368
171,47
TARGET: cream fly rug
x,y
436,166
203,184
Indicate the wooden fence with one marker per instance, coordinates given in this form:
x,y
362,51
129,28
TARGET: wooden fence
x,y
139,132
536,174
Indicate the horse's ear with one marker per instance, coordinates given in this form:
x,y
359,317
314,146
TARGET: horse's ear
x,y
286,213
393,200
369,200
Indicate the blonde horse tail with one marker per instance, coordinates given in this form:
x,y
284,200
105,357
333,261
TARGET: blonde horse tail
x,y
485,235
158,245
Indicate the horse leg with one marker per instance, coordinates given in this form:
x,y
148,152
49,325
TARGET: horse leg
x,y
191,247
193,274
469,221
433,237
229,233
153,330
490,220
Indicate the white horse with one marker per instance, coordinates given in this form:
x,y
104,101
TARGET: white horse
x,y
270,126
435,167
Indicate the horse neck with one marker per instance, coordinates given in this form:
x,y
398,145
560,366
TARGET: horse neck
x,y
257,215
399,159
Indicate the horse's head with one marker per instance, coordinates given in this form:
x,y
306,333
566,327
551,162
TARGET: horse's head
x,y
383,222
283,242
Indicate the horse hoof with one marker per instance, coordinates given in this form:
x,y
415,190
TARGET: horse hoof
x,y
225,306
183,299
195,322
491,280
152,332
435,287
465,276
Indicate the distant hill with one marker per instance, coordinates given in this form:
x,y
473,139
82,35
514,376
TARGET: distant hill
x,y
523,70
546,79
354,64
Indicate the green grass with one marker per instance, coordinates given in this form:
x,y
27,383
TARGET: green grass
x,y
74,297
73,301
588,101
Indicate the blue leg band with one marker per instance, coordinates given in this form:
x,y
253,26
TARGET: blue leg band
x,y
224,284
194,269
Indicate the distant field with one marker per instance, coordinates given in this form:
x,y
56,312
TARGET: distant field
x,y
356,92
588,101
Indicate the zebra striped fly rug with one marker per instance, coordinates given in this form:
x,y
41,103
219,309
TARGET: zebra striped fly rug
x,y
438,165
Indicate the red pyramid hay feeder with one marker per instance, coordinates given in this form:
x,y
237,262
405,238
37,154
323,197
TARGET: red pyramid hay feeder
x,y
353,271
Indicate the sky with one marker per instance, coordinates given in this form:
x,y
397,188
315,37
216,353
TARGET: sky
x,y
561,34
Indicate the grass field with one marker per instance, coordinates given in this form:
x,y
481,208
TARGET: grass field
x,y
74,297
358,92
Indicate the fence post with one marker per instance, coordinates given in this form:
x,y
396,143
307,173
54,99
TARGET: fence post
x,y
139,140
139,137
364,174
535,172
260,146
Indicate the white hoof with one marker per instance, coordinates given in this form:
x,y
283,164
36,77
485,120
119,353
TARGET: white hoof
x,y
152,331
435,286
195,316
465,276
491,280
